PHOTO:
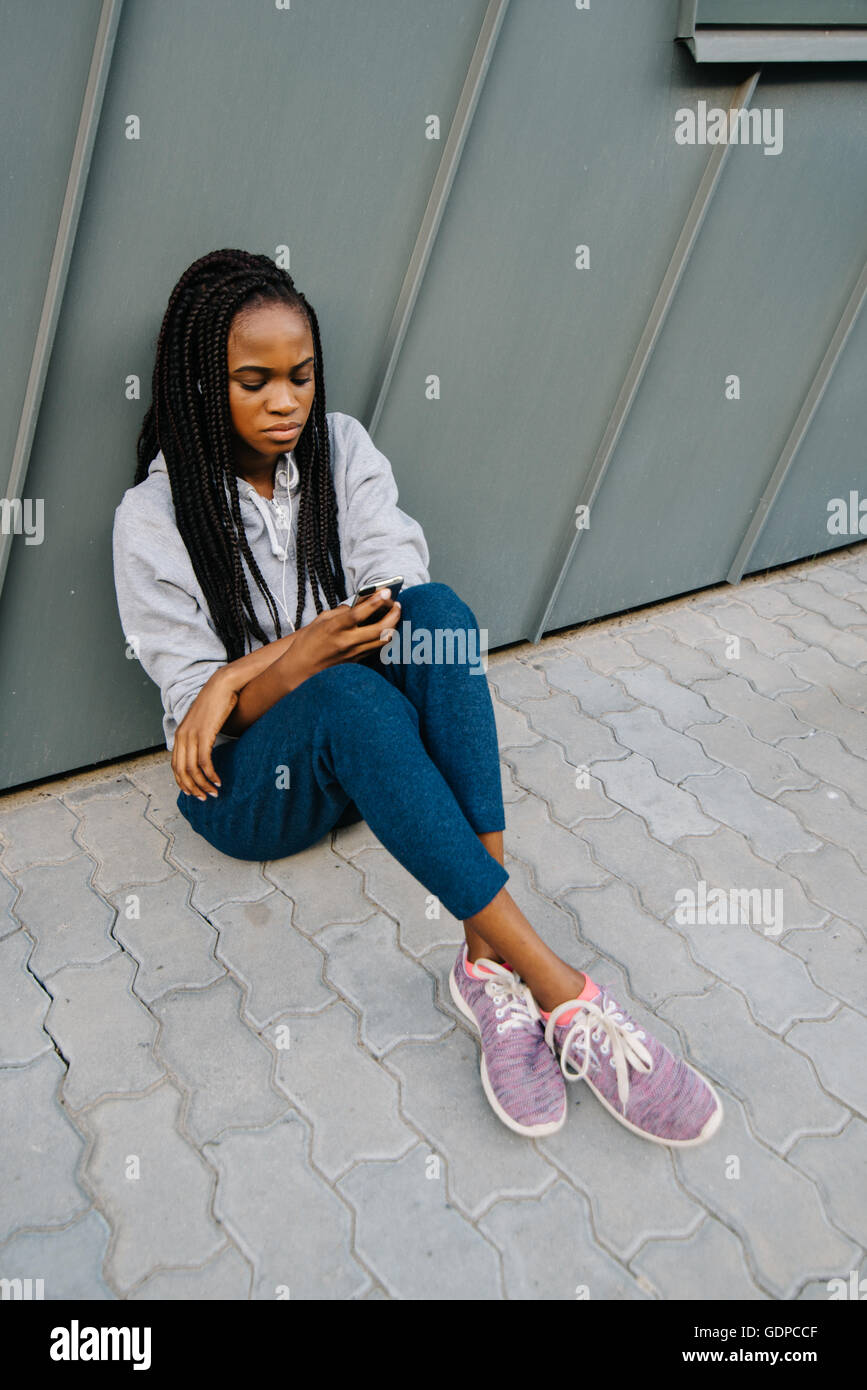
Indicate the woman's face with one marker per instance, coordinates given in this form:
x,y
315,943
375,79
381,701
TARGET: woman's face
x,y
271,384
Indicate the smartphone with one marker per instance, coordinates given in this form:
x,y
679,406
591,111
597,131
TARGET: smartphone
x,y
366,590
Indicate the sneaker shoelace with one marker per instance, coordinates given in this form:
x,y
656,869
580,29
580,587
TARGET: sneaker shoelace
x,y
516,1007
620,1039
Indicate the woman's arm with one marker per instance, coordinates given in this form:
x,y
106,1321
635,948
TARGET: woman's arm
x,y
232,699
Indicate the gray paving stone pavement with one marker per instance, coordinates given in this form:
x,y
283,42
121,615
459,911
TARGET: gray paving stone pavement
x,y
707,1266
228,1080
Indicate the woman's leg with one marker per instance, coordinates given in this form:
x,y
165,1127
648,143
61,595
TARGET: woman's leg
x,y
456,722
345,734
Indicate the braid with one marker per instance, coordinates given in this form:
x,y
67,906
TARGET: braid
x,y
194,431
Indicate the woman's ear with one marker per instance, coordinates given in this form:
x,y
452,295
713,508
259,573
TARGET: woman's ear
x,y
199,384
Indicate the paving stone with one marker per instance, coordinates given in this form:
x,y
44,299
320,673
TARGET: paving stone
x,y
776,1084
838,1167
8,894
222,1064
654,957
173,943
69,1262
558,858
820,669
349,840
673,755
767,768
41,1149
157,781
422,920
769,720
836,579
323,887
831,876
128,848
623,846
292,1228
837,1048
528,1232
852,559
56,891
416,1244
678,707
162,1216
543,770
513,731
766,674
112,787
279,967
23,1004
836,957
825,756
226,1277
768,600
847,647
509,787
583,739
771,829
596,695
691,625
829,813
821,709
39,832
392,993
683,663
217,878
708,1265
349,1100
738,620
606,652
726,860
104,1033
514,682
442,1095
669,811
770,676
806,593
778,989
772,1207
628,1182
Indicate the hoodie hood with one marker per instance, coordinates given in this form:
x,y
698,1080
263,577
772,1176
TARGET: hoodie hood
x,y
260,514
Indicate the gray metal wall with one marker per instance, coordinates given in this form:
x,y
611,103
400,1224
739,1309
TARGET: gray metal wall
x,y
263,127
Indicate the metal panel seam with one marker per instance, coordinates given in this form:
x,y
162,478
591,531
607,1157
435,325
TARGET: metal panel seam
x,y
436,204
79,168
649,337
805,415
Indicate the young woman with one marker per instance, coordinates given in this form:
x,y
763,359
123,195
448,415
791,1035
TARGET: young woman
x,y
254,511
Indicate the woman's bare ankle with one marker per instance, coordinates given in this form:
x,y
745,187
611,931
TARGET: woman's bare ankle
x,y
561,990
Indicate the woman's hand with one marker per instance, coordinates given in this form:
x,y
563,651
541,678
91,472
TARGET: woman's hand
x,y
197,731
340,634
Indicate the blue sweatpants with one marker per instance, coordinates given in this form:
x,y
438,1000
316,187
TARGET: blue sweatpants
x,y
408,746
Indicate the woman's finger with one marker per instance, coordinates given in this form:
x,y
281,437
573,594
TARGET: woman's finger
x,y
202,785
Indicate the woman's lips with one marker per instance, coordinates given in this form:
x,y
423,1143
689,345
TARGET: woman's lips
x,y
282,431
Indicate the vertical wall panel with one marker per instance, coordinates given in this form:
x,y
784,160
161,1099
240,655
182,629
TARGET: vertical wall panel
x,y
45,61
261,127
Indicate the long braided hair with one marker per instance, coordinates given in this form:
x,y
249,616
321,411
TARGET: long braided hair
x,y
194,430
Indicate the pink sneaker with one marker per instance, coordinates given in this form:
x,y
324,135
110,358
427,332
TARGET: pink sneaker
x,y
637,1079
519,1071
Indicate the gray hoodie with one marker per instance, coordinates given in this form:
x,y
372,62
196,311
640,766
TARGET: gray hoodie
x,y
164,613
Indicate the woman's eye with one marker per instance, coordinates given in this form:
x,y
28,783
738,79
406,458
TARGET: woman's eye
x,y
305,381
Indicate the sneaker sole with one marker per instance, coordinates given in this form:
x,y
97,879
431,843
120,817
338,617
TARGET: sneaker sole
x,y
709,1129
530,1131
